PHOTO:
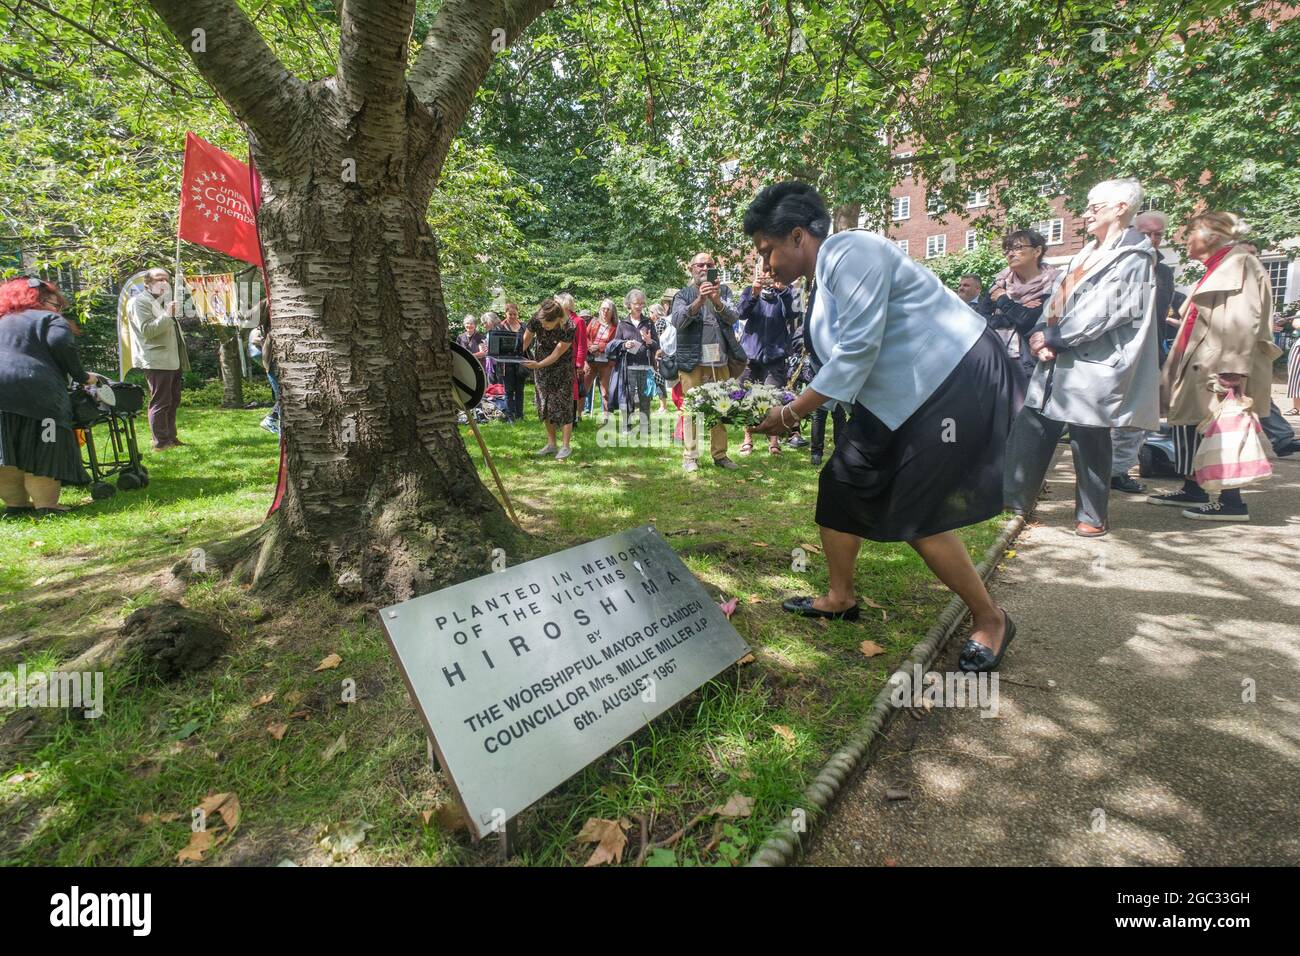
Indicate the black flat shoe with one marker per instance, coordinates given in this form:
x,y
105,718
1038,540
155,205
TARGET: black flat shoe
x,y
20,512
803,606
977,659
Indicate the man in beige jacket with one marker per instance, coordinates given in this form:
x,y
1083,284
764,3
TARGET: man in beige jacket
x,y
158,348
1226,339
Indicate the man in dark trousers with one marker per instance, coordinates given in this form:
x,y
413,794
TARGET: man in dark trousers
x,y
767,309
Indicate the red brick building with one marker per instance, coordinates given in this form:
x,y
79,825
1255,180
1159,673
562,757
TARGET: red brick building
x,y
925,228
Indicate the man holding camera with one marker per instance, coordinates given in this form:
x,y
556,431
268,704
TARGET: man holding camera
x,y
707,349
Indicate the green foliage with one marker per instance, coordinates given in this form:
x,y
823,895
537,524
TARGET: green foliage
x,y
985,260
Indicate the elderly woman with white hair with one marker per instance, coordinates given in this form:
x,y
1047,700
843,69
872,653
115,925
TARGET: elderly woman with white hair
x,y
1225,341
1097,360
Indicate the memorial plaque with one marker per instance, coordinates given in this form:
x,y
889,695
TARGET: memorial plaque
x,y
525,676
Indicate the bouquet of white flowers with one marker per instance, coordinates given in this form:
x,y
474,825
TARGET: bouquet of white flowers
x,y
730,403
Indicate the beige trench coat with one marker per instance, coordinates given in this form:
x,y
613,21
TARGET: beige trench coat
x,y
1233,333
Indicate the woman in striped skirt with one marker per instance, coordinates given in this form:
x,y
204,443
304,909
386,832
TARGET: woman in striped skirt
x,y
1293,371
1226,335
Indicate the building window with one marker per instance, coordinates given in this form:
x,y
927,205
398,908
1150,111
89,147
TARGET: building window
x,y
901,208
902,244
904,169
977,198
972,239
1053,230
1048,187
1277,270
935,246
935,206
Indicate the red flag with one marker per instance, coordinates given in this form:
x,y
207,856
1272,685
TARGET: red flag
x,y
216,205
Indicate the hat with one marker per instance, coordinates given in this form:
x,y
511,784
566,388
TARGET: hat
x,y
669,294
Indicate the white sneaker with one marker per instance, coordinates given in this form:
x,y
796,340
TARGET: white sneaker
x,y
548,450
564,453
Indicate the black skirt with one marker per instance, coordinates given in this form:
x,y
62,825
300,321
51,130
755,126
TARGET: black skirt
x,y
23,446
940,470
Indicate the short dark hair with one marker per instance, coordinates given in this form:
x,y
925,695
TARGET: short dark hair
x,y
781,207
1029,236
971,275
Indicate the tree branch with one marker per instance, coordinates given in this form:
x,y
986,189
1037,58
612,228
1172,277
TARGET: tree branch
x,y
236,62
374,43
457,54
104,41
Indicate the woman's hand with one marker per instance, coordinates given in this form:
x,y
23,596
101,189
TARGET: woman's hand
x,y
530,364
772,424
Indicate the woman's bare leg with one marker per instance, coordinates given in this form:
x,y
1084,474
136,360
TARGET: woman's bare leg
x,y
12,489
841,559
947,557
44,492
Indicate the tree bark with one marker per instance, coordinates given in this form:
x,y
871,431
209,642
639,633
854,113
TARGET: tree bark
x,y
232,373
846,215
381,494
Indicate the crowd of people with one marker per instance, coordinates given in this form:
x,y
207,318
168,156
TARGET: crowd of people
x,y
959,397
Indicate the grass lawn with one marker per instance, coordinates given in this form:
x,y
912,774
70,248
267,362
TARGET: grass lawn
x,y
119,789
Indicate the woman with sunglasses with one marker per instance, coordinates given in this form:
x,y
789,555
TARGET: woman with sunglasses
x,y
38,355
1017,296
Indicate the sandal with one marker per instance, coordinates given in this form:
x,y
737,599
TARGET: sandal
x,y
747,448
774,449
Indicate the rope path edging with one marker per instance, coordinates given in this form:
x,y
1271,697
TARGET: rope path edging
x,y
784,843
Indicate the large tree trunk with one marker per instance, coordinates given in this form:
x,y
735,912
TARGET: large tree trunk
x,y
232,373
846,215
382,495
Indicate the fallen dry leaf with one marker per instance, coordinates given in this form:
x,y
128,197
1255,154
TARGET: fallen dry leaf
x,y
224,804
759,544
277,730
736,806
785,732
329,663
747,659
264,700
814,548
610,839
870,603
754,599
333,750
304,714
200,843
450,817
426,816
1011,553
343,838
20,777
292,697
870,648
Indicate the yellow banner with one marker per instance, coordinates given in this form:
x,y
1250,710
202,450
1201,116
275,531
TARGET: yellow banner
x,y
214,297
